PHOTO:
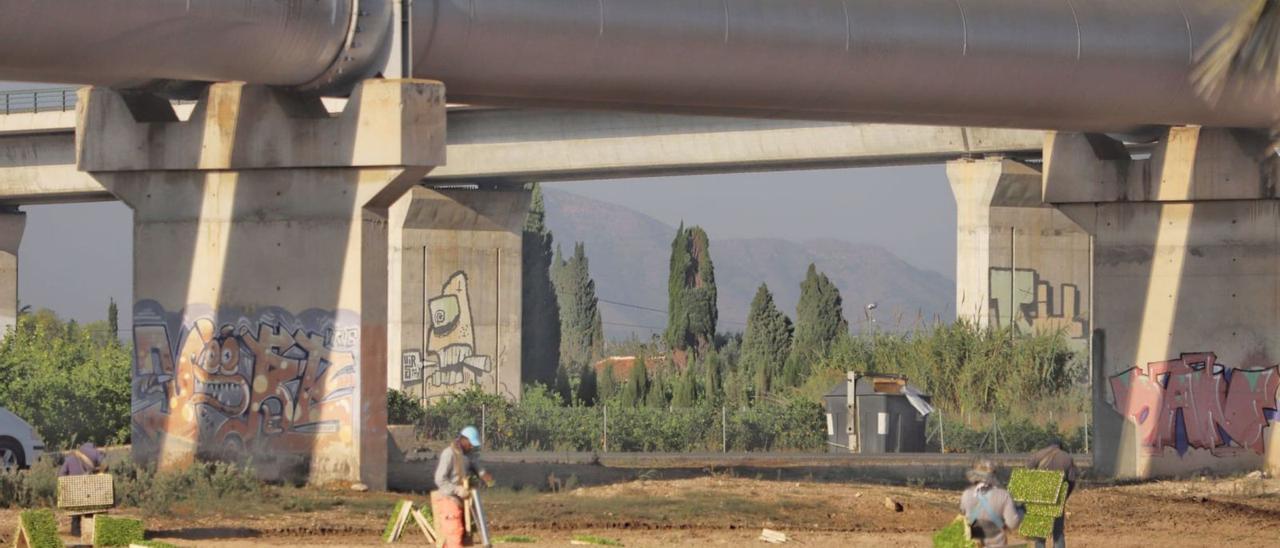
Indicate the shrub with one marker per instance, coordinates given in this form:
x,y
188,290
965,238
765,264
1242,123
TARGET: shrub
x,y
35,487
403,409
158,492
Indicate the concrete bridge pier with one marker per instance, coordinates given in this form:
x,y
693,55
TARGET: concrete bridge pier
x,y
12,223
260,270
1019,261
1187,297
456,277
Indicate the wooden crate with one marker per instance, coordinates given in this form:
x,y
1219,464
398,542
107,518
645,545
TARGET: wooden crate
x,y
86,494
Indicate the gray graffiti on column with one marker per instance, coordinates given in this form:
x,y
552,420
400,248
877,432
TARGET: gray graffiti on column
x,y
1033,303
451,358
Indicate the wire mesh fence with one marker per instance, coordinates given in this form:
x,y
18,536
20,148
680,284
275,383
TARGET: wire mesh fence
x,y
612,428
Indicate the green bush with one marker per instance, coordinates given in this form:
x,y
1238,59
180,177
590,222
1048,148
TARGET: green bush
x,y
111,531
156,493
71,382
31,488
403,409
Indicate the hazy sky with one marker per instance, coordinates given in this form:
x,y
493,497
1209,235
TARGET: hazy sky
x,y
76,257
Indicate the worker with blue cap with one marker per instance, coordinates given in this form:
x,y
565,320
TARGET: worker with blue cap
x,y
453,487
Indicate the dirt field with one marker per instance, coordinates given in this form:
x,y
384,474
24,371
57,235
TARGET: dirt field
x,y
722,511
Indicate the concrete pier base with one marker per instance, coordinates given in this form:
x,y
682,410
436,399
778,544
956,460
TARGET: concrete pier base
x,y
260,281
12,223
1187,298
456,280
1019,261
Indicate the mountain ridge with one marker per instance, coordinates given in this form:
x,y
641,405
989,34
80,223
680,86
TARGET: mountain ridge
x,y
629,253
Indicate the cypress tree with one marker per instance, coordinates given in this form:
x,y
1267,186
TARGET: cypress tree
x,y
637,386
540,316
607,385
113,321
766,343
691,291
819,321
581,326
712,382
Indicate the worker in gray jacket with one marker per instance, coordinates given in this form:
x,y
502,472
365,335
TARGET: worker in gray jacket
x,y
457,464
987,506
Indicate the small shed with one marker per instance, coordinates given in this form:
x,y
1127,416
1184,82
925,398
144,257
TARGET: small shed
x,y
891,415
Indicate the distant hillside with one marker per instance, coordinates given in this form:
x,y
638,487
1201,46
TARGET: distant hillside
x,y
629,252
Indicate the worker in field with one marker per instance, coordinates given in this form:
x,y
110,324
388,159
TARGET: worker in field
x,y
987,506
458,463
80,462
1054,457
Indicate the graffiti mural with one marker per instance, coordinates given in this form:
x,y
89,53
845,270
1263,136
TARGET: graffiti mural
x,y
450,358
264,383
1196,402
1033,303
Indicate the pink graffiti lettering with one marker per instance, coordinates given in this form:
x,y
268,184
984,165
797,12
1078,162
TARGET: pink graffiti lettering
x,y
1196,402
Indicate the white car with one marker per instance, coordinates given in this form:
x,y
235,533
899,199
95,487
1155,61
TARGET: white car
x,y
19,444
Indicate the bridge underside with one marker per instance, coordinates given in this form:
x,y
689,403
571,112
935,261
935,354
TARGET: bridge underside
x,y
282,283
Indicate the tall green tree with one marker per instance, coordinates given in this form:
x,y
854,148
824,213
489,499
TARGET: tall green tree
x,y
540,309
637,386
607,386
819,321
113,320
766,343
691,288
581,326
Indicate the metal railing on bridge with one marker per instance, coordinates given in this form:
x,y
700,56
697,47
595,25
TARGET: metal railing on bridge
x,y
37,100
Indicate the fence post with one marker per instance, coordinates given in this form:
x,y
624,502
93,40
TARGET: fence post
x,y
725,428
942,431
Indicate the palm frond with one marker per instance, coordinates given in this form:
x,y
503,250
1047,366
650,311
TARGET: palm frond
x,y
1248,47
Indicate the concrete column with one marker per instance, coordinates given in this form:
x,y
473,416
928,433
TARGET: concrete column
x,y
1187,298
1018,261
457,277
12,223
260,281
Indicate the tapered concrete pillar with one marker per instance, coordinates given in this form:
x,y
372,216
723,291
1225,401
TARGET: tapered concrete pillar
x,y
1019,261
12,223
260,280
456,277
1186,294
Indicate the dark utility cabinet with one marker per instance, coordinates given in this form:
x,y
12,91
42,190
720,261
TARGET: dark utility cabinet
x,y
888,421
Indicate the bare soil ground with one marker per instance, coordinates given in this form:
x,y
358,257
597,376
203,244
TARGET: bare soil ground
x,y
725,511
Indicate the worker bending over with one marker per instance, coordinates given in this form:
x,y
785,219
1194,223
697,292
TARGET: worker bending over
x,y
457,464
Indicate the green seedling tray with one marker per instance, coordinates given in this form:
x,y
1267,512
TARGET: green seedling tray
x,y
1034,526
954,535
109,531
1037,486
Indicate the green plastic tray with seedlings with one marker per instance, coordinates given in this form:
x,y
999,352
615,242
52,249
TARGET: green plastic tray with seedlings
x,y
954,535
595,540
41,528
1037,486
1034,526
111,531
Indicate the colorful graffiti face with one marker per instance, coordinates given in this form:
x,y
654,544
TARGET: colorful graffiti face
x,y
1195,402
248,384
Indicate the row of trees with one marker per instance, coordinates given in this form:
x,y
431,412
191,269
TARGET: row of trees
x,y
70,381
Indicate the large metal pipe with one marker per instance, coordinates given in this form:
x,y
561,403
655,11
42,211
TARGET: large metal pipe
x,y
1054,64
309,44
1069,64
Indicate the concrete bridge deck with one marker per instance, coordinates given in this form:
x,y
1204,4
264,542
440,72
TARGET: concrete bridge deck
x,y
37,147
